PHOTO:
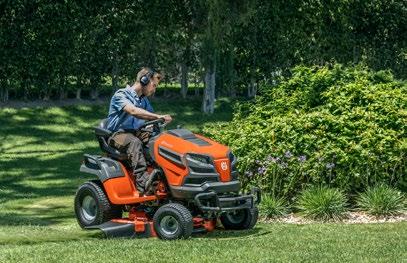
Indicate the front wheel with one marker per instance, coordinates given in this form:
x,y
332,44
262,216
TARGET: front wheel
x,y
240,219
92,206
173,221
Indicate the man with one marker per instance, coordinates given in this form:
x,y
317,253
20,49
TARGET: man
x,y
129,108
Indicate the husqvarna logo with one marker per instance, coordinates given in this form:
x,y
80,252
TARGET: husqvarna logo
x,y
224,166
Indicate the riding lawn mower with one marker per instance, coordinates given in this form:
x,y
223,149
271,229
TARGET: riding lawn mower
x,y
195,186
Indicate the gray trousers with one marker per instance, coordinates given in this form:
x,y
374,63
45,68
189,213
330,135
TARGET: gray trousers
x,y
131,145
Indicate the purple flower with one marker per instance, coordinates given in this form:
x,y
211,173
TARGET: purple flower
x,y
302,158
330,165
261,170
288,154
258,161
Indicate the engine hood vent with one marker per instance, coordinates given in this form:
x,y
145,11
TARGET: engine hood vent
x,y
188,136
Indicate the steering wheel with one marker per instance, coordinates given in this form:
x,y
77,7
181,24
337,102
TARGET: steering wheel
x,y
158,124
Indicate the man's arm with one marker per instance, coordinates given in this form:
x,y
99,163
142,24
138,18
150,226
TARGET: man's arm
x,y
143,114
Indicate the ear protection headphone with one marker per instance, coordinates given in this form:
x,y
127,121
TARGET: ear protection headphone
x,y
145,79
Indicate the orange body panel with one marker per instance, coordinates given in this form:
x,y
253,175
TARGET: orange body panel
x,y
223,168
176,173
208,224
121,190
140,221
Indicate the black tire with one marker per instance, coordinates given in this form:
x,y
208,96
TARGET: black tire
x,y
173,221
240,219
92,206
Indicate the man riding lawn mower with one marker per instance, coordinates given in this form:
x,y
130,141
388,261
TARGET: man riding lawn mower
x,y
190,181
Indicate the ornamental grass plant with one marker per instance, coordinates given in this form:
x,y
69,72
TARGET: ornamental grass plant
x,y
322,203
272,207
382,200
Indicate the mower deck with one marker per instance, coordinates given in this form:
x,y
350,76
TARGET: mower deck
x,y
138,225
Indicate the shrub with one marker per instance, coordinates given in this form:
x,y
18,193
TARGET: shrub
x,y
348,124
381,200
322,203
273,207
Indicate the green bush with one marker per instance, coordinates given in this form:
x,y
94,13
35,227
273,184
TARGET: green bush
x,y
322,203
273,207
341,126
381,200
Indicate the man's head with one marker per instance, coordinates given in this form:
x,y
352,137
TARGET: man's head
x,y
149,80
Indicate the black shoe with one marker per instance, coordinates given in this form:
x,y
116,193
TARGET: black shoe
x,y
149,184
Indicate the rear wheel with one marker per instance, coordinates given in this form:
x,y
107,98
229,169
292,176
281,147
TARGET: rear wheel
x,y
92,206
173,221
240,219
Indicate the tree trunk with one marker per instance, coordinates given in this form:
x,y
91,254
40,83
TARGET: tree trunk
x,y
208,105
78,93
115,71
184,80
26,91
196,88
4,93
63,94
232,89
78,88
47,92
252,88
94,92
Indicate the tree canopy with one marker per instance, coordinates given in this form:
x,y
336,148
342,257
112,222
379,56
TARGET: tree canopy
x,y
57,49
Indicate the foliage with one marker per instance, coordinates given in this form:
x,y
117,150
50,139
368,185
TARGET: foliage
x,y
322,203
382,200
46,46
273,207
341,126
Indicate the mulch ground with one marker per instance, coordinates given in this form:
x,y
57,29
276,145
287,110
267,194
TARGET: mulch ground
x,y
350,218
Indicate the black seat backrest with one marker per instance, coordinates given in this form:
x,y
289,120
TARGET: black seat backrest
x,y
102,135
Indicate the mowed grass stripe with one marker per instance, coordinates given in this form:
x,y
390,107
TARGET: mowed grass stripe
x,y
266,243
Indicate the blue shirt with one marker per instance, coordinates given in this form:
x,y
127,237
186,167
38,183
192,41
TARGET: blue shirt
x,y
118,118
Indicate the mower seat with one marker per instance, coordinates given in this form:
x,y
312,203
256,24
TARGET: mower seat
x,y
103,134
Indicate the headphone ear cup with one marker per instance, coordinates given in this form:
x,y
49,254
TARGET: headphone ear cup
x,y
144,80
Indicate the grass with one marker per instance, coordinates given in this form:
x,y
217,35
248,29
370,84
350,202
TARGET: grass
x,y
40,154
266,243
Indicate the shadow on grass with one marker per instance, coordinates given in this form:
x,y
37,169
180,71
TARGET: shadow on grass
x,y
220,233
37,177
37,218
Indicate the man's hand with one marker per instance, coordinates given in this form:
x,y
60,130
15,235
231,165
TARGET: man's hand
x,y
167,118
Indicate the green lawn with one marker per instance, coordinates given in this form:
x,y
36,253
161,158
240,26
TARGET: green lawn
x,y
40,154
